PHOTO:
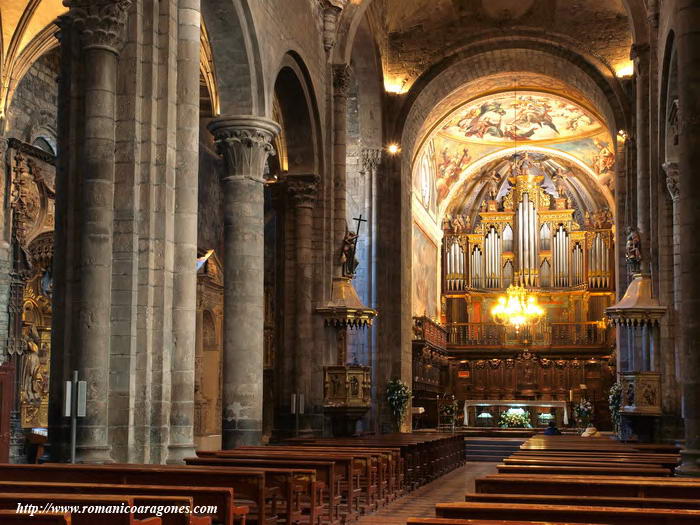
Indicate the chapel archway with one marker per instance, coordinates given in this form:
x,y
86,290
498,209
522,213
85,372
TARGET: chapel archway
x,y
515,186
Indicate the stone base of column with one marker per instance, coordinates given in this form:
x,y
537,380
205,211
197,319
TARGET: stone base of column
x,y
178,453
244,432
690,463
94,455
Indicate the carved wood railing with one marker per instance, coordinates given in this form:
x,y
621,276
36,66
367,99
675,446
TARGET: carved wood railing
x,y
582,334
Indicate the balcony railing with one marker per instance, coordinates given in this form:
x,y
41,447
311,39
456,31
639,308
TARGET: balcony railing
x,y
589,333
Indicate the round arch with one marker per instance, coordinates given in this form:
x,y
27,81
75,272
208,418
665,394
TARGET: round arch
x,y
236,56
296,103
478,165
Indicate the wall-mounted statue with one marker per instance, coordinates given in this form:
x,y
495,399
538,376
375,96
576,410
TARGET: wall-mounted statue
x,y
633,250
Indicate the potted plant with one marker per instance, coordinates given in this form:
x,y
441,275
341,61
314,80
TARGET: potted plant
x,y
397,397
615,402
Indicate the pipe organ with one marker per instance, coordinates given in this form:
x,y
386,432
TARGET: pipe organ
x,y
531,238
537,239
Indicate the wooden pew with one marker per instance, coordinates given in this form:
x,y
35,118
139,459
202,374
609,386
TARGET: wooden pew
x,y
349,469
573,513
582,470
395,465
323,485
640,487
248,484
11,501
10,517
666,461
220,497
612,462
426,456
601,501
383,459
453,521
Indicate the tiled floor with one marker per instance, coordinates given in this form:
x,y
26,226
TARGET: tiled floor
x,y
421,502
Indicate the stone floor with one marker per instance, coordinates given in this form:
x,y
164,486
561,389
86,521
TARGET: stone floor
x,y
421,503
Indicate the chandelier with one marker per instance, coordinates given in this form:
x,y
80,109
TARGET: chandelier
x,y
517,309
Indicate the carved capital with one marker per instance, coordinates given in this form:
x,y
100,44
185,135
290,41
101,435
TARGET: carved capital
x,y
371,157
100,23
341,79
639,51
672,179
244,143
303,189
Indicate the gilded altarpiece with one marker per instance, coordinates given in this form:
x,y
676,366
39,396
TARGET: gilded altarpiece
x,y
32,207
209,353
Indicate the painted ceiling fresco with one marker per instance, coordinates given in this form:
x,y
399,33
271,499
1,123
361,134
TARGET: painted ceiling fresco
x,y
501,122
520,117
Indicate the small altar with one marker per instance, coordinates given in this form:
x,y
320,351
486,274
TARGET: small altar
x,y
486,412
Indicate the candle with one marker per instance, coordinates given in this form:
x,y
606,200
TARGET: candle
x,y
571,396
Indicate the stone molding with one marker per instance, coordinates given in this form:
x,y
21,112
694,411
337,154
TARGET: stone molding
x,y
341,79
245,143
100,23
331,14
672,179
303,189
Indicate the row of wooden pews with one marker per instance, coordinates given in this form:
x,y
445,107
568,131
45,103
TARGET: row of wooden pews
x,y
355,475
569,479
304,482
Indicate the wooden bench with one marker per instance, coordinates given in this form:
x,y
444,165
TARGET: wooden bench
x,y
612,462
370,467
11,501
574,513
665,461
675,488
453,521
349,472
248,484
601,501
10,517
383,459
582,470
317,494
219,497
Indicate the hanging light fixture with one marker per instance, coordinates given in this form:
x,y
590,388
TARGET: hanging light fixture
x,y
517,308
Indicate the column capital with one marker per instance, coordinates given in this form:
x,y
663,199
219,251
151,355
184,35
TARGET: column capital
x,y
638,51
303,188
244,142
100,23
341,79
371,158
672,179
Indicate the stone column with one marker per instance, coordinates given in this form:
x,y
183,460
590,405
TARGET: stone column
x,y
303,190
245,143
181,444
100,24
341,81
640,56
688,49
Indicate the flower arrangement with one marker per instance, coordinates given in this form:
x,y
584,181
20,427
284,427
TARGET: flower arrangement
x,y
615,402
515,418
397,397
583,412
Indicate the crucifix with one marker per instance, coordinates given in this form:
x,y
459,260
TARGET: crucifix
x,y
348,259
